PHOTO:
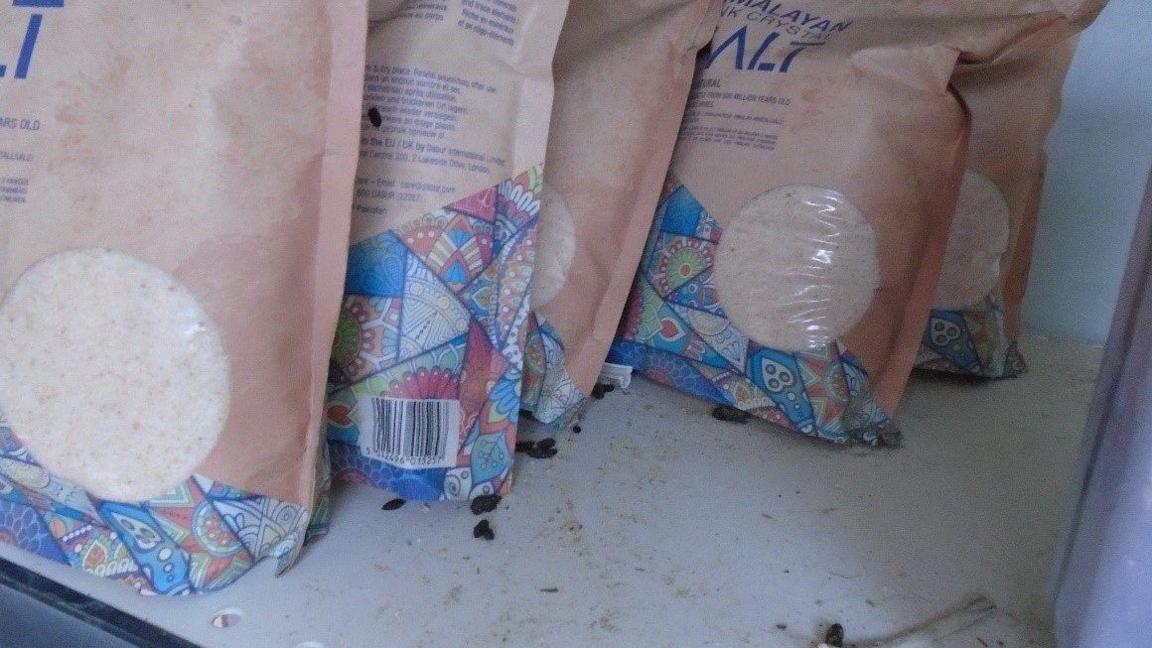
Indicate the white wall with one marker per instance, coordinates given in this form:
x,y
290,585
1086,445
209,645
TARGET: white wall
x,y
1100,153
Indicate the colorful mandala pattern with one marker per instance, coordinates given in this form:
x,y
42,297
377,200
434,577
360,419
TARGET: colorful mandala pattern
x,y
675,332
970,342
549,392
321,521
198,538
438,310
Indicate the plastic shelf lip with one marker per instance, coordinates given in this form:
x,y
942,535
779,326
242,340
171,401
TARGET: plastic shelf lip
x,y
104,621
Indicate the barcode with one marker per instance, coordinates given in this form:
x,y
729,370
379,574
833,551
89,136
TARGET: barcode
x,y
409,433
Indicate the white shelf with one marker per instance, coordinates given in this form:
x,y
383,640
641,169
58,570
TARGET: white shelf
x,y
663,527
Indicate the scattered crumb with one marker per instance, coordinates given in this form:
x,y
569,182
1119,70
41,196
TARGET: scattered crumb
x,y
607,622
835,636
600,389
484,504
542,449
483,530
729,414
453,595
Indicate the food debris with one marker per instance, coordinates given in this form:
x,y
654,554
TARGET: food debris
x,y
393,504
891,438
835,636
931,632
483,530
485,504
542,449
730,414
542,453
600,389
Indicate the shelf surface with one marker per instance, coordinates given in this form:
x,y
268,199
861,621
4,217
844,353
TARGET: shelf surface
x,y
660,526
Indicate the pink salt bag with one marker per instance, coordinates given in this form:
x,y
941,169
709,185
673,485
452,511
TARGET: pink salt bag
x,y
424,394
975,319
623,70
175,188
800,236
